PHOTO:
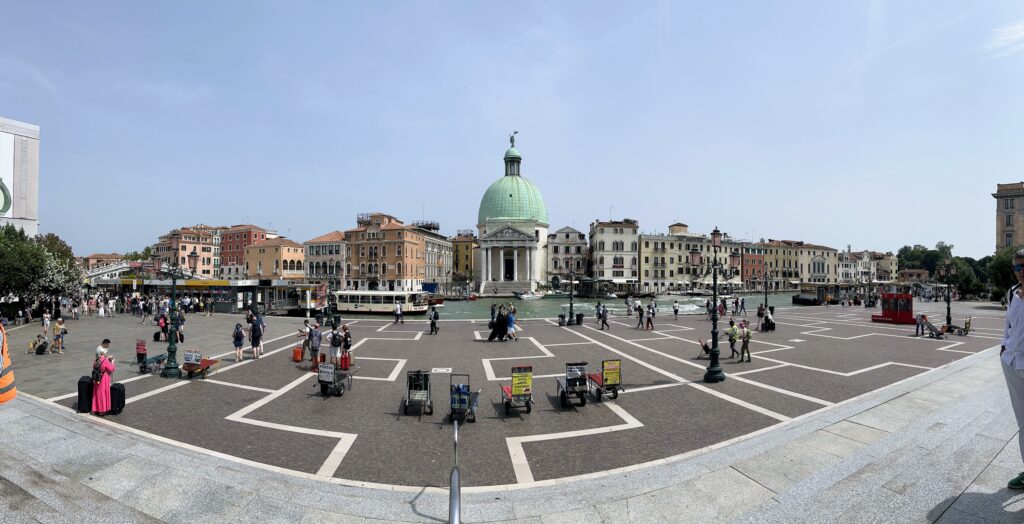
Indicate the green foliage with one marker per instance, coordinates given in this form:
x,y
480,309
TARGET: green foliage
x,y
30,270
140,256
55,245
1000,271
911,257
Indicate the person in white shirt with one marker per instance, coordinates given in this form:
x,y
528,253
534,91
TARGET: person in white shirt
x,y
1011,354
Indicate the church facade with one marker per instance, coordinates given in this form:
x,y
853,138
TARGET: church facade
x,y
512,227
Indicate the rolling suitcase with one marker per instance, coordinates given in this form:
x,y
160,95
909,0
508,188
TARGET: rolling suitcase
x,y
156,337
116,398
85,394
181,337
297,354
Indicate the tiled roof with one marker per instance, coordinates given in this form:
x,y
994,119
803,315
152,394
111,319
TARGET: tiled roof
x,y
280,241
105,256
333,236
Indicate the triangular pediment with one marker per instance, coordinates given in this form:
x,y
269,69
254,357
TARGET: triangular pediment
x,y
509,233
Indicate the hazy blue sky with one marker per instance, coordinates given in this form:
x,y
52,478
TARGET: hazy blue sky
x,y
873,123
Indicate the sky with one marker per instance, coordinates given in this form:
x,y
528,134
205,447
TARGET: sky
x,y
873,124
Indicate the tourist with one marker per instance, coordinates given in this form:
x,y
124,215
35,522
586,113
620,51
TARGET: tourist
x,y
707,310
433,319
256,326
513,324
650,316
237,339
733,333
675,309
314,346
19,317
745,338
398,313
103,369
769,322
743,306
919,329
46,322
639,317
306,334
597,311
629,307
59,331
603,316
1011,354
499,327
494,312
760,315
336,341
39,346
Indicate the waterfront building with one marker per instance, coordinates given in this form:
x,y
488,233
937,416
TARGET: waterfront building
x,y
513,229
437,259
96,260
1009,218
19,175
275,258
682,261
326,259
613,254
817,263
464,254
782,261
914,275
385,253
567,251
234,240
176,245
752,266
865,267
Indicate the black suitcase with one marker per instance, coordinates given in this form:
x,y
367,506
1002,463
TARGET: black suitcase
x,y
181,337
85,394
116,398
156,337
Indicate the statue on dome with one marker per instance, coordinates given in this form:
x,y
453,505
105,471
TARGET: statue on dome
x,y
512,138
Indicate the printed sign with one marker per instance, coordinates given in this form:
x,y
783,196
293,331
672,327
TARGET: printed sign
x,y
193,357
611,371
326,373
522,380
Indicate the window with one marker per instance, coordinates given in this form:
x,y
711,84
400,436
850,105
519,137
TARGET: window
x,y
1009,220
1009,239
1007,203
600,261
578,250
556,249
600,245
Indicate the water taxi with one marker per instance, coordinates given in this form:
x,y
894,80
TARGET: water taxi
x,y
381,302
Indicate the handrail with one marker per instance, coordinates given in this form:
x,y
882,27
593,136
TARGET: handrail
x,y
455,485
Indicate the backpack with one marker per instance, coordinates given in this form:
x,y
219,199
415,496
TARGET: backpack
x,y
336,339
436,315
96,376
257,327
348,341
238,334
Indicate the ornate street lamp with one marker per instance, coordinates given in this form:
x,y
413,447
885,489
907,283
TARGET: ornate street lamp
x,y
571,321
765,272
714,371
948,270
171,369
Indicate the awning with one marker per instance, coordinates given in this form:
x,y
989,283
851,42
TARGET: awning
x,y
794,282
618,281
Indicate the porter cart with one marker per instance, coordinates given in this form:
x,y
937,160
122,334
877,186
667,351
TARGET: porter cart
x,y
520,393
334,380
196,364
463,400
608,381
418,383
573,384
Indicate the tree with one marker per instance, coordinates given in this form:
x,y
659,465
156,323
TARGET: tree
x,y
55,245
965,280
22,262
60,277
1000,273
140,256
911,257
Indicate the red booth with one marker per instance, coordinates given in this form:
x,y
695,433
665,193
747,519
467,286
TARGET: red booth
x,y
897,308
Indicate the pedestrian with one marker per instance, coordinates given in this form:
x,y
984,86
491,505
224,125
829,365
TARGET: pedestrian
x,y
707,309
639,317
650,316
433,320
745,338
769,322
237,339
675,309
398,313
743,306
103,370
512,325
336,340
494,311
46,322
919,329
604,318
58,336
760,315
1011,354
629,307
256,335
305,332
733,333
597,312
314,346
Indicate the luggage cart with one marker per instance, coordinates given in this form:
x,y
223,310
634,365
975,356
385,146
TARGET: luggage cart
x,y
463,400
962,331
933,332
334,380
520,393
608,381
574,383
418,383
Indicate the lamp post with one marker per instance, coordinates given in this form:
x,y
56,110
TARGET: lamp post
x,y
714,371
948,270
571,321
171,369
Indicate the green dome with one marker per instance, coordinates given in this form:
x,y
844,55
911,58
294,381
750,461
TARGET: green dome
x,y
512,198
512,153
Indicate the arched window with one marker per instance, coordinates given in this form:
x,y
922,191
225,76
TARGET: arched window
x,y
567,264
384,269
555,263
298,265
579,264
399,269
337,268
362,269
600,261
348,269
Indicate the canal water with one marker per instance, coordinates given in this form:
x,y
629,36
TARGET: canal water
x,y
552,307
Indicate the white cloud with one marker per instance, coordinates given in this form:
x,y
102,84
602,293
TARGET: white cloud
x,y
1007,39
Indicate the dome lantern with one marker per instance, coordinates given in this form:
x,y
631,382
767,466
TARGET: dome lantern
x,y
512,158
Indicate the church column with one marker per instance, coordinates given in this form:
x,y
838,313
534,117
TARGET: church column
x,y
515,264
501,264
485,270
529,264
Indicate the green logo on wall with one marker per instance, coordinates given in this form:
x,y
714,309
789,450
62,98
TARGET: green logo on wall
x,y
5,198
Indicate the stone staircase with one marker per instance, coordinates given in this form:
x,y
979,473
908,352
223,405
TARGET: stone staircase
x,y
503,289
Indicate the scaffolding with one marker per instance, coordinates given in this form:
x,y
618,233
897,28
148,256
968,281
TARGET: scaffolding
x,y
429,225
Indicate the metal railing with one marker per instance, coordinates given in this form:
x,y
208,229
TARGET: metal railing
x,y
455,485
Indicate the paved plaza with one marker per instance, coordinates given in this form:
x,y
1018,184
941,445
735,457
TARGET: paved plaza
x,y
269,411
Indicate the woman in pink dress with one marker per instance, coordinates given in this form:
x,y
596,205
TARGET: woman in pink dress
x,y
101,389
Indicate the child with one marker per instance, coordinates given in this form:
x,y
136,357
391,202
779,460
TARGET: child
x,y
238,339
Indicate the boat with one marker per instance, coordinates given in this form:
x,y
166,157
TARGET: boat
x,y
381,302
556,294
472,296
528,296
434,300
610,296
